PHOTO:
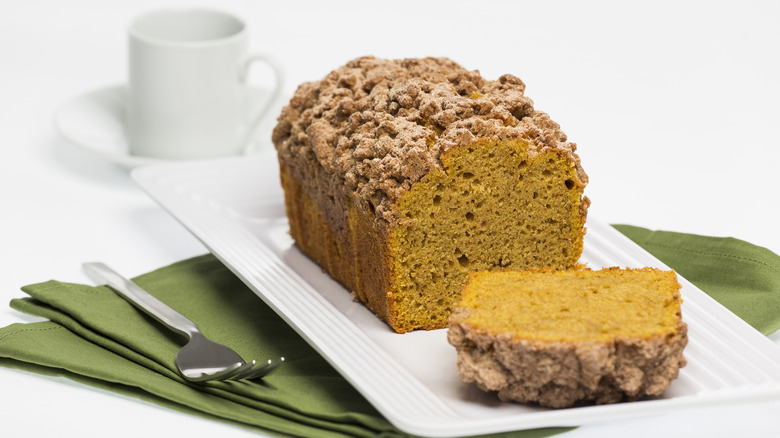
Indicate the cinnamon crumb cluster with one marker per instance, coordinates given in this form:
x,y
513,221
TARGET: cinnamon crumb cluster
x,y
378,126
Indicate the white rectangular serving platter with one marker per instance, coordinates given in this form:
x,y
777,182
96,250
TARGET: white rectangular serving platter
x,y
235,207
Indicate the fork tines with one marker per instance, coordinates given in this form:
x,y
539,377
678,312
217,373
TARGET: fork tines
x,y
253,370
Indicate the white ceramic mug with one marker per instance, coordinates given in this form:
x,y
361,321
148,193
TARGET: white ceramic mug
x,y
187,92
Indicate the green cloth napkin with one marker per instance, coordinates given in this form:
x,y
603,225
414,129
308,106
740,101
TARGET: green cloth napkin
x,y
95,337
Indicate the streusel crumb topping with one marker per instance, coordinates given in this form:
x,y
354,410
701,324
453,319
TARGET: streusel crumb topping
x,y
378,126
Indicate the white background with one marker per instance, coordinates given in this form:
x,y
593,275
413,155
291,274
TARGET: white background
x,y
674,106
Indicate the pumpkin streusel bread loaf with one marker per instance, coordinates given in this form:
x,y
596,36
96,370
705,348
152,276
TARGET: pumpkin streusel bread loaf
x,y
401,176
559,338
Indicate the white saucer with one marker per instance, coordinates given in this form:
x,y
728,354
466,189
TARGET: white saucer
x,y
94,122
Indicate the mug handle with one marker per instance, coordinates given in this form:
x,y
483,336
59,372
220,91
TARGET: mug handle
x,y
260,114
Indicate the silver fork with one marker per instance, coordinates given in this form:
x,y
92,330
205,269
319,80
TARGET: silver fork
x,y
200,359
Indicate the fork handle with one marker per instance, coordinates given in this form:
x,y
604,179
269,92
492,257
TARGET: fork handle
x,y
141,298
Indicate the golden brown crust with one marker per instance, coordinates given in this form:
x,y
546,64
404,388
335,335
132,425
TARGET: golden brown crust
x,y
342,250
378,126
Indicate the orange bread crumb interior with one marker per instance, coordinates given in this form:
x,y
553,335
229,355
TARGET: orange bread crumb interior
x,y
575,305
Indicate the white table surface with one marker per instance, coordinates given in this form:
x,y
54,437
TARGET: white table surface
x,y
674,106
